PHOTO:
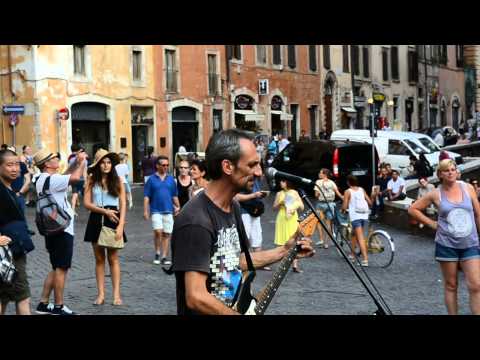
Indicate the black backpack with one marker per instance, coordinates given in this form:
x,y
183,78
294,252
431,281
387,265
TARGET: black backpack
x,y
51,219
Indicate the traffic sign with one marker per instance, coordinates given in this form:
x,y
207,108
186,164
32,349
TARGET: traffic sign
x,y
14,119
63,114
8,109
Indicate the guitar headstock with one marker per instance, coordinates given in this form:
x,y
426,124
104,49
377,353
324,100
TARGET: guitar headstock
x,y
307,223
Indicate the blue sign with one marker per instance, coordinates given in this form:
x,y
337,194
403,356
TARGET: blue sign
x,y
7,109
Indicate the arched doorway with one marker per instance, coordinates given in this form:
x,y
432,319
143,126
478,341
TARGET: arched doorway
x,y
275,112
91,126
243,107
184,129
329,89
455,112
443,113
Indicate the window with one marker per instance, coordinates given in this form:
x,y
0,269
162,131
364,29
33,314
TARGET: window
x,y
217,120
366,63
326,56
412,66
313,121
171,71
79,59
385,63
394,62
346,62
261,54
277,54
356,60
395,147
234,52
292,61
137,65
395,107
459,55
312,56
443,58
212,75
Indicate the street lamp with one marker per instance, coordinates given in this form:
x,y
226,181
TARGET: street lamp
x,y
372,134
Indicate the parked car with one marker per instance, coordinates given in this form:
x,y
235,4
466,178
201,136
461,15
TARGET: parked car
x,y
343,158
395,147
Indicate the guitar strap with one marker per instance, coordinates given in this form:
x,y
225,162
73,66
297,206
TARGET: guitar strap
x,y
242,236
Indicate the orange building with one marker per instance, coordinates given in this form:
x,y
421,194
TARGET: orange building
x,y
274,88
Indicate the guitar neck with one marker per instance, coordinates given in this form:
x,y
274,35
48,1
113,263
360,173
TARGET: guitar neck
x,y
271,289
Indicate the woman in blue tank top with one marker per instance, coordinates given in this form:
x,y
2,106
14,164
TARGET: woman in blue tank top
x,y
456,240
105,197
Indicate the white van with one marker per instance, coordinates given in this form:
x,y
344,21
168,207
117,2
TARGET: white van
x,y
395,147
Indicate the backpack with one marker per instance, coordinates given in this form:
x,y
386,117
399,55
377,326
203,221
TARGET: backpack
x,y
51,219
360,205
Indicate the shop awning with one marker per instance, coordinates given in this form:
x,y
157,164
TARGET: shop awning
x,y
349,109
251,115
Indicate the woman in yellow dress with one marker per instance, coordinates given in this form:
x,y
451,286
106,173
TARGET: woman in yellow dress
x,y
287,202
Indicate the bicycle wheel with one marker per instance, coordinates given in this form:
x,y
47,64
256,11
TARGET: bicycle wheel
x,y
381,249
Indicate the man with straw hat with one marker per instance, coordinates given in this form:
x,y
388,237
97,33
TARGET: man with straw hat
x,y
60,246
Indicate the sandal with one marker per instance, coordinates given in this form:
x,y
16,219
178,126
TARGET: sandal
x,y
98,302
117,302
297,270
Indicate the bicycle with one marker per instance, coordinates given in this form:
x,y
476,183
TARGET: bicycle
x,y
380,245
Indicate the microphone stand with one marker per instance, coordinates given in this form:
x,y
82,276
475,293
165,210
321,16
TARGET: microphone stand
x,y
382,309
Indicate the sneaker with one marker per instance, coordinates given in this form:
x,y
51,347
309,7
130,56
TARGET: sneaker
x,y
319,243
44,309
64,310
364,263
166,262
157,259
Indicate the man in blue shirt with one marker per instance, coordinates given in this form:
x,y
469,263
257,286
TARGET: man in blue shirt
x,y
161,202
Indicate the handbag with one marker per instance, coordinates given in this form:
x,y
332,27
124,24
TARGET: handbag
x,y
107,235
7,269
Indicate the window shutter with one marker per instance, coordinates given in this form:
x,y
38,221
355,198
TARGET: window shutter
x,y
326,56
312,49
394,61
291,56
345,59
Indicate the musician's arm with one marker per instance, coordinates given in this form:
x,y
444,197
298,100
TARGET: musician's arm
x,y
263,258
199,299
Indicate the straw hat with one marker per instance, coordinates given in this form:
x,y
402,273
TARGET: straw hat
x,y
43,156
101,153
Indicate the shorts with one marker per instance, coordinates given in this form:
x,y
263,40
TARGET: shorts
x,y
60,249
20,289
359,223
128,189
163,222
445,253
324,206
253,228
77,188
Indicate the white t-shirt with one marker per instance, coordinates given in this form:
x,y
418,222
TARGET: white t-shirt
x,y
58,188
282,144
122,171
395,185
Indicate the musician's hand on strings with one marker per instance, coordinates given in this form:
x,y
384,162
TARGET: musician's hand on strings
x,y
306,244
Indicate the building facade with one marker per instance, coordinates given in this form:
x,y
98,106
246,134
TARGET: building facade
x,y
274,88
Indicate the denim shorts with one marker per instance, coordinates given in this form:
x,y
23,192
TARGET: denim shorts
x,y
359,223
324,206
445,253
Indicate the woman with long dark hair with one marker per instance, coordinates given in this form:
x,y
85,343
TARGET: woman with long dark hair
x,y
105,197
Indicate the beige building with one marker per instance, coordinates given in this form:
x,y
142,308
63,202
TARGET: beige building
x,y
107,89
389,70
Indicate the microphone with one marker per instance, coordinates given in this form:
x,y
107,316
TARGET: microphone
x,y
273,173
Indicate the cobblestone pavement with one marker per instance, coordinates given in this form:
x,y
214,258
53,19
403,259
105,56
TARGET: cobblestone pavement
x,y
411,285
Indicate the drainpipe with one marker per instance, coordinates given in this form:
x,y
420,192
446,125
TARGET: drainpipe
x,y
427,112
353,85
227,73
9,59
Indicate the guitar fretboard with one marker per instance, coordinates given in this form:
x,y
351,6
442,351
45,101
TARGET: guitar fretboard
x,y
273,285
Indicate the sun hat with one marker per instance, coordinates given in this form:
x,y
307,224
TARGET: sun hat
x,y
43,155
101,153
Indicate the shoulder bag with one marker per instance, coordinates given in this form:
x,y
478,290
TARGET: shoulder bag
x,y
7,269
107,238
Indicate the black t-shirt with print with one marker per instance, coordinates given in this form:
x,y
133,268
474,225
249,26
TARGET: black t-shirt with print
x,y
206,239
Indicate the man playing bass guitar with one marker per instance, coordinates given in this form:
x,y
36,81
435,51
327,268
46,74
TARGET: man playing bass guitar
x,y
209,244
